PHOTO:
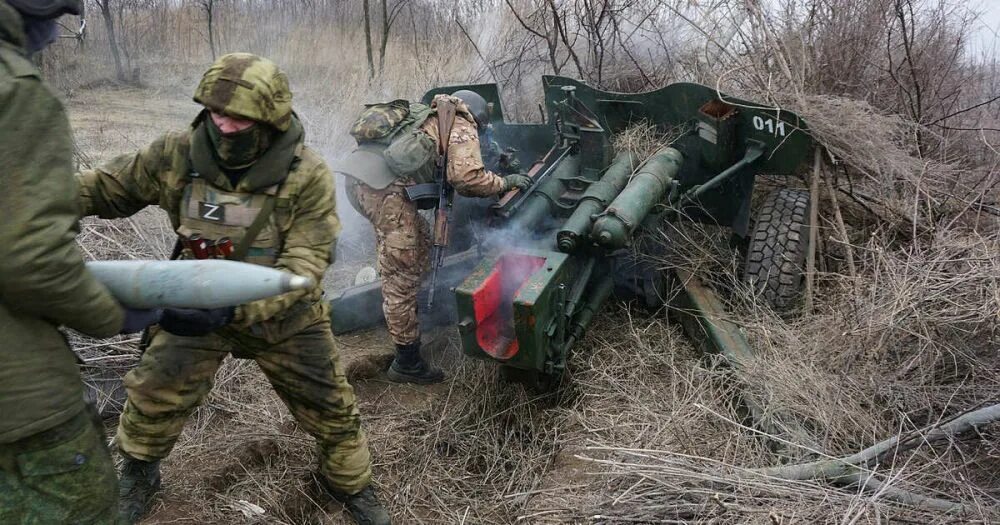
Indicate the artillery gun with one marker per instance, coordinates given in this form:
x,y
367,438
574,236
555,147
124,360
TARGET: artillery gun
x,y
571,241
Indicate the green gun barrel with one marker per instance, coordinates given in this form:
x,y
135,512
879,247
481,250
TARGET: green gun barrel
x,y
613,229
538,207
596,199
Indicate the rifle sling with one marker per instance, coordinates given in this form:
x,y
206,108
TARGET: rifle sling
x,y
446,118
243,247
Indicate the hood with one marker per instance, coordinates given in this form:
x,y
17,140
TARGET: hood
x,y
12,27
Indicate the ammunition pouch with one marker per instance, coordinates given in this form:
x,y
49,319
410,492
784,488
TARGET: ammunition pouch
x,y
251,220
425,195
412,155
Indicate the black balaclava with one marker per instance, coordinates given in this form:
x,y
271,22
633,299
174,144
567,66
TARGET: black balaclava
x,y
238,151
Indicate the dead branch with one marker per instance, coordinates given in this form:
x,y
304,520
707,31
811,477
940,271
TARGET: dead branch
x,y
842,229
851,470
476,48
868,481
813,226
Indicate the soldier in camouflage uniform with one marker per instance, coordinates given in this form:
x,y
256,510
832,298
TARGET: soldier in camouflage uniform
x,y
54,462
397,149
241,171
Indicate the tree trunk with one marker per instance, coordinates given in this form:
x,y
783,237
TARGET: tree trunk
x,y
368,41
209,10
385,37
109,25
122,37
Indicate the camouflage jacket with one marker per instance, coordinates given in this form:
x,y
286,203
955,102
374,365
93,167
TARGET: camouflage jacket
x,y
43,281
466,171
304,218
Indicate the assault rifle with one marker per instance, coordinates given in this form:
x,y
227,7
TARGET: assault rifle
x,y
442,215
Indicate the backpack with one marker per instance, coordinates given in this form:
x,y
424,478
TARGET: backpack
x,y
384,121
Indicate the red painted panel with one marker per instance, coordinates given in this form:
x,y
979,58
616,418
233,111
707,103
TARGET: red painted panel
x,y
493,304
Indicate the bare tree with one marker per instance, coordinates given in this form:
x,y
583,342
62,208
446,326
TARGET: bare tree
x,y
368,40
593,35
538,24
388,18
109,26
601,21
209,7
129,11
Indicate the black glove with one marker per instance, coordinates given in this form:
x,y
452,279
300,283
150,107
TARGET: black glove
x,y
136,319
191,322
521,182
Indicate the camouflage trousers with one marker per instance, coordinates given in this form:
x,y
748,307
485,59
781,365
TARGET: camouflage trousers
x,y
62,475
176,373
403,238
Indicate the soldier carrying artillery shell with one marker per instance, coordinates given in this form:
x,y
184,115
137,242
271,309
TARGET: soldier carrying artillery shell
x,y
238,184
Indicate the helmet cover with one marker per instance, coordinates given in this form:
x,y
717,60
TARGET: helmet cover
x,y
246,86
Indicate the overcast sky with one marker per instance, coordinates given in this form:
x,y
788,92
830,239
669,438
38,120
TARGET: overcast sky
x,y
986,34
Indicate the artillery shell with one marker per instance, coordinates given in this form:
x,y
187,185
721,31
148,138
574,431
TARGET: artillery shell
x,y
208,283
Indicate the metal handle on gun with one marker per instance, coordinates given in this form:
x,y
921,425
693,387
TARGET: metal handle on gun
x,y
539,179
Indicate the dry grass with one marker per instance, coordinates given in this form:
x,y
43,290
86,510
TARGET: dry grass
x,y
913,341
645,139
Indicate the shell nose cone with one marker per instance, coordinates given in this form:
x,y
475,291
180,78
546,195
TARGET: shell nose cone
x,y
298,282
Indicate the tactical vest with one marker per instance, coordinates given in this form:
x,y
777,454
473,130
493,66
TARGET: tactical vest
x,y
214,213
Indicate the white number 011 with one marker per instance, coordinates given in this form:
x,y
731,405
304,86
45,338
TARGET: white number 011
x,y
776,129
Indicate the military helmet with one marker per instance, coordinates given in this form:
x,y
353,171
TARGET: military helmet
x,y
246,86
476,104
47,8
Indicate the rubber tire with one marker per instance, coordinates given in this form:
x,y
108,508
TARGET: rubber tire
x,y
775,263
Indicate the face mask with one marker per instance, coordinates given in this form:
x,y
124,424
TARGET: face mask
x,y
40,32
241,149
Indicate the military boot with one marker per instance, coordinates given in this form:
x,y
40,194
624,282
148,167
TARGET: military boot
x,y
409,367
364,506
139,481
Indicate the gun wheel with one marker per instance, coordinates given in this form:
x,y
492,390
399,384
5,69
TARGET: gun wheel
x,y
532,379
775,264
